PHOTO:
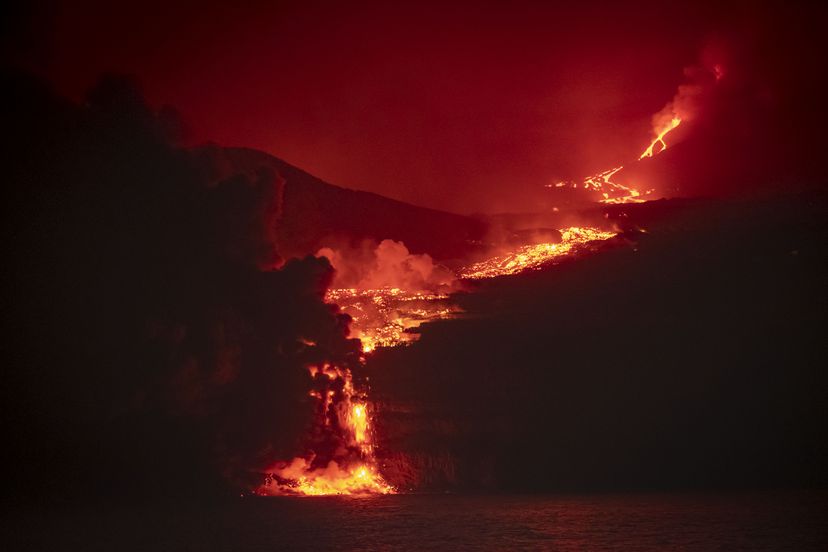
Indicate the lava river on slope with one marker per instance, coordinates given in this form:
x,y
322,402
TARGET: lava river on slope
x,y
388,317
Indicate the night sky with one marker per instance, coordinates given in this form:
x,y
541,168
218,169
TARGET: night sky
x,y
459,106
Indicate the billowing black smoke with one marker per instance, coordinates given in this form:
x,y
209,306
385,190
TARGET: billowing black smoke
x,y
152,346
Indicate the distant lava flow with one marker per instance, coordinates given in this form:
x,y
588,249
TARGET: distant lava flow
x,y
615,192
659,139
385,318
530,257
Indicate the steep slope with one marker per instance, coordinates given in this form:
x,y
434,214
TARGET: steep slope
x,y
313,213
691,358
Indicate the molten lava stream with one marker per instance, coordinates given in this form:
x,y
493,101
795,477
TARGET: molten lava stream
x,y
532,257
614,192
384,318
659,139
353,469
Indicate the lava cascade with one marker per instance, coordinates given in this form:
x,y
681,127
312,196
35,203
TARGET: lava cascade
x,y
352,469
384,318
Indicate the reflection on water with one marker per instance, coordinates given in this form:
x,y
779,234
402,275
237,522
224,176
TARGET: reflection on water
x,y
703,522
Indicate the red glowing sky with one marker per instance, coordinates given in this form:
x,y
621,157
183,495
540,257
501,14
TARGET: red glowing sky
x,y
462,108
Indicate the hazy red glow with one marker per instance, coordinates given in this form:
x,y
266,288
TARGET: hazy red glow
x,y
436,105
384,317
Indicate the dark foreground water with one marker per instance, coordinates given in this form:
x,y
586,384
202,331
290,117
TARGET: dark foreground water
x,y
704,522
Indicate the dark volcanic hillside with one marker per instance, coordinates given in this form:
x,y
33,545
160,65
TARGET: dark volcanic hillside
x,y
313,213
692,357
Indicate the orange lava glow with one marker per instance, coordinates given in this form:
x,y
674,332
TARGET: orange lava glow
x,y
359,422
532,257
389,316
360,479
612,192
380,318
659,139
385,317
363,479
355,473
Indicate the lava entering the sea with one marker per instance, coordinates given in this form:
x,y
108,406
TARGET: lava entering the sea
x,y
380,318
614,192
385,315
352,469
680,108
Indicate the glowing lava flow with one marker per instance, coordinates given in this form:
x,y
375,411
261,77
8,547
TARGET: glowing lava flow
x,y
354,470
659,139
384,318
379,318
531,257
615,192
603,183
612,192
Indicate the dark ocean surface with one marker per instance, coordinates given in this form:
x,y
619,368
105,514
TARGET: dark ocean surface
x,y
692,521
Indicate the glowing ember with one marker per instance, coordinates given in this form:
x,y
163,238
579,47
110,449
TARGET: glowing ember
x,y
614,192
531,257
659,139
